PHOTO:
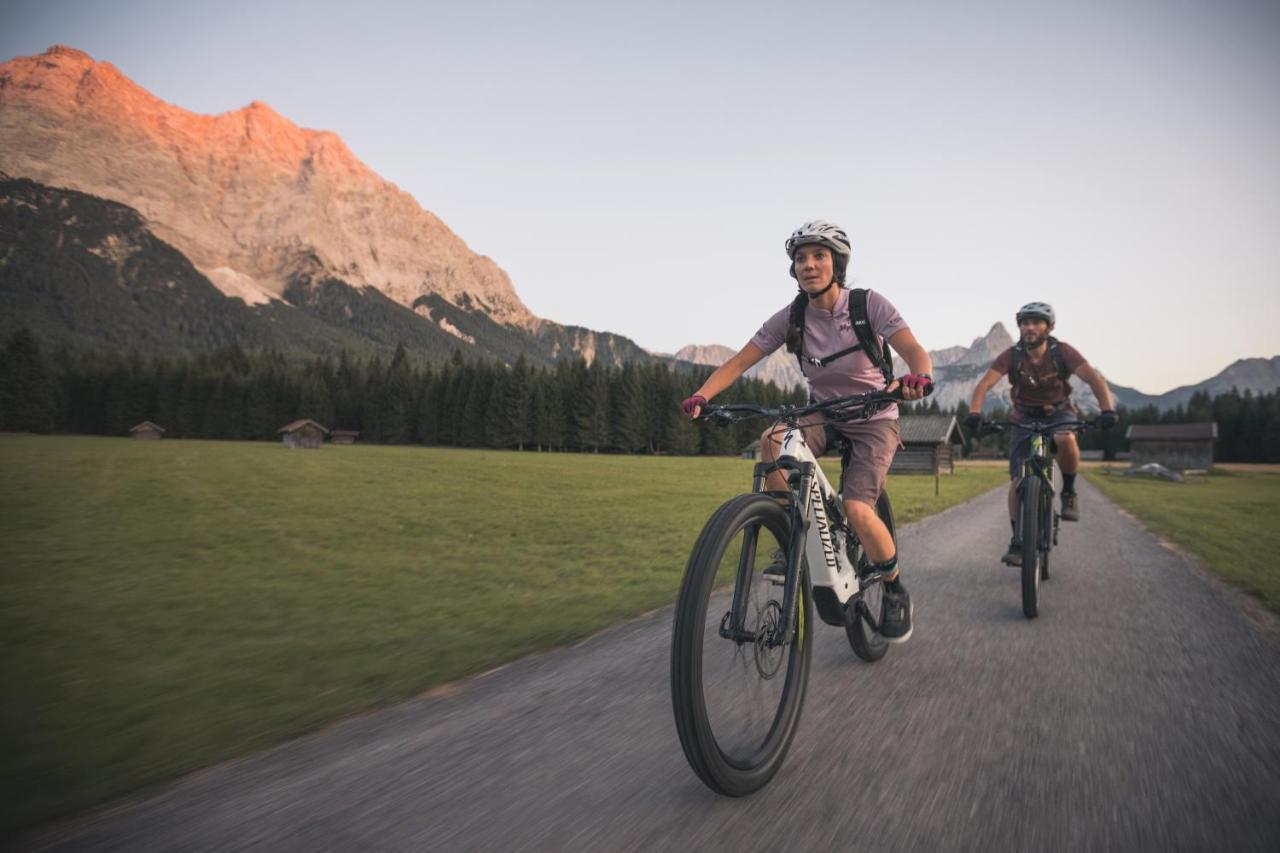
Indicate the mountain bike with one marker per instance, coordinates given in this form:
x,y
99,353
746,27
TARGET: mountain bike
x,y
1036,521
743,630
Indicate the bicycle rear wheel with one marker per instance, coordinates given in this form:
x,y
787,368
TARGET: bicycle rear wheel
x,y
1029,510
864,636
737,703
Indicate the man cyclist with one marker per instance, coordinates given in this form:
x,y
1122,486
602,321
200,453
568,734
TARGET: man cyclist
x,y
818,327
1038,367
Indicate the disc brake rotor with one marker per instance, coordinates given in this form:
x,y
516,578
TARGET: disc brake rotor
x,y
769,647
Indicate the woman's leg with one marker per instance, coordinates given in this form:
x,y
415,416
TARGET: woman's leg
x,y
875,536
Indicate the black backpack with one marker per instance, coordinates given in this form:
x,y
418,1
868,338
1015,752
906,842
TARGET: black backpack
x,y
879,353
1020,353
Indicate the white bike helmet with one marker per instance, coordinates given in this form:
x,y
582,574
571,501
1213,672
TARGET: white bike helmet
x,y
1036,311
820,231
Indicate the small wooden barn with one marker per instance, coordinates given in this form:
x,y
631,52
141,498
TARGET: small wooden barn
x,y
928,445
752,450
344,436
1181,447
303,433
147,431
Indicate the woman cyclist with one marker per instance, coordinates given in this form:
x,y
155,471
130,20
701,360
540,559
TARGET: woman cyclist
x,y
818,328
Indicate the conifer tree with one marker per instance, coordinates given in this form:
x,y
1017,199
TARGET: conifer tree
x,y
28,400
591,411
630,411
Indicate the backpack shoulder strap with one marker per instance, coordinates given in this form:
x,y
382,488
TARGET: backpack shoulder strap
x,y
1015,363
878,352
1058,361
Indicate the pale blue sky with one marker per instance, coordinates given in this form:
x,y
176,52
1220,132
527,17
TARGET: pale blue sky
x,y
636,168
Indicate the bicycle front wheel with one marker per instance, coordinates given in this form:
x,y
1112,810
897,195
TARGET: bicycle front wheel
x,y
1029,508
737,701
1046,531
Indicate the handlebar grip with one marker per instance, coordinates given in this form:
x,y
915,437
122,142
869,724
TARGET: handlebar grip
x,y
897,392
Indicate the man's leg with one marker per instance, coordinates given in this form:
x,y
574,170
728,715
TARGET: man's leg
x,y
1018,450
1069,463
1013,556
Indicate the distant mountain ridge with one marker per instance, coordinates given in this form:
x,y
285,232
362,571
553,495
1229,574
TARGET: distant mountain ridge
x,y
779,367
1259,375
958,368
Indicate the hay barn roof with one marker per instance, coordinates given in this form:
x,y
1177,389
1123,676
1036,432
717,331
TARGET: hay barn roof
x,y
1173,432
929,429
294,426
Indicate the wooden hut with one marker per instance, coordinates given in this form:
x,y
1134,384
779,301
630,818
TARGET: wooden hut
x,y
752,450
1181,447
928,443
147,431
344,436
928,446
303,433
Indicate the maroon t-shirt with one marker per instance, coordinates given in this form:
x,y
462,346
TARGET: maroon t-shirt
x,y
1040,385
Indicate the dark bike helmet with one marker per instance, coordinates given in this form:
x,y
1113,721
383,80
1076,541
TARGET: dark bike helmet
x,y
1036,311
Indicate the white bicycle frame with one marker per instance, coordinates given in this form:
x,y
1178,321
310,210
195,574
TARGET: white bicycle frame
x,y
824,545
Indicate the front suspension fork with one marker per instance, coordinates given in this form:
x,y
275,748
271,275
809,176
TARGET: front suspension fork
x,y
800,480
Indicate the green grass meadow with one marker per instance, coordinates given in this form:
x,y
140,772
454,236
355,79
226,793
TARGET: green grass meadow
x,y
166,605
1221,518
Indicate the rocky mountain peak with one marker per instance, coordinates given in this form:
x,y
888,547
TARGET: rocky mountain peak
x,y
255,201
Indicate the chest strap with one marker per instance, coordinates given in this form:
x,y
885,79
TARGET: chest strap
x,y
823,362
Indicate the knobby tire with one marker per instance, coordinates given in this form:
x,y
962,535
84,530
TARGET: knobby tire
x,y
731,774
1029,509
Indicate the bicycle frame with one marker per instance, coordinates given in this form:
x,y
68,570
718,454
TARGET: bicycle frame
x,y
812,502
1038,463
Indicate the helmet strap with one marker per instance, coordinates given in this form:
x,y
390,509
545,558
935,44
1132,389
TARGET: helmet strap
x,y
830,284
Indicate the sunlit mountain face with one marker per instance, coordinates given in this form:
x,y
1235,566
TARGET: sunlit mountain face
x,y
271,215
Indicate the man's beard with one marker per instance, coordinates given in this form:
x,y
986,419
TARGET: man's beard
x,y
1031,340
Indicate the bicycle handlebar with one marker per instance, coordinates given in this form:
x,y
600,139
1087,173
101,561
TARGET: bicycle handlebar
x,y
1037,426
848,408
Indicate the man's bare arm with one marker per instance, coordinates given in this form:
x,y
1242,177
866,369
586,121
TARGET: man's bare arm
x,y
985,384
1090,374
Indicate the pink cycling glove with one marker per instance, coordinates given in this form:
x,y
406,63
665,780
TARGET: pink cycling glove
x,y
917,381
697,401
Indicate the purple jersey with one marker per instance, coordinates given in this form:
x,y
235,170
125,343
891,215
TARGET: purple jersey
x,y
829,332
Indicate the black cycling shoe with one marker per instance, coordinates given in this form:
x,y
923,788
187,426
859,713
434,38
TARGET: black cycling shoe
x,y
1070,507
895,614
1013,557
776,573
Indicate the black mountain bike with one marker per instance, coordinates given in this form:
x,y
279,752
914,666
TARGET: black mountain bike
x,y
1036,521
743,631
